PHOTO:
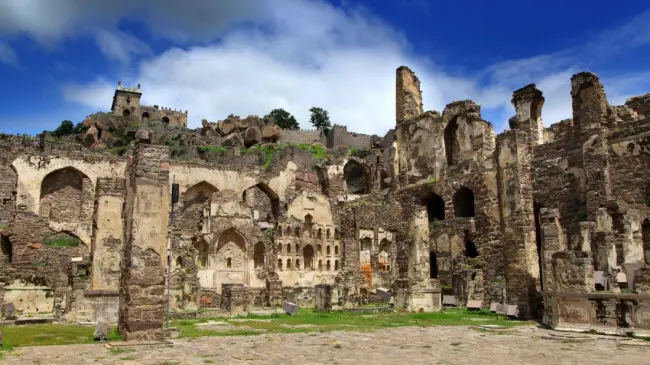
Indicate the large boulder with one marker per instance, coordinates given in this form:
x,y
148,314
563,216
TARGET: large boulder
x,y
108,139
252,136
208,129
232,140
252,121
271,132
229,126
91,136
143,136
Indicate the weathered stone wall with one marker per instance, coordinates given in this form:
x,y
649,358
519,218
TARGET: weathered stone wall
x,y
302,137
640,104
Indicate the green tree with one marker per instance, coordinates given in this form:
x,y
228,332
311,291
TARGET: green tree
x,y
282,118
65,129
320,118
79,128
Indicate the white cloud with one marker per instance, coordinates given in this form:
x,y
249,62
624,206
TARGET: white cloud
x,y
119,46
298,54
8,55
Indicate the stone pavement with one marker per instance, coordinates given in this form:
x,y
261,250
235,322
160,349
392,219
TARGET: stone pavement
x,y
403,345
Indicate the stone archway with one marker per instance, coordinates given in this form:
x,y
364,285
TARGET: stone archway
x,y
67,196
231,260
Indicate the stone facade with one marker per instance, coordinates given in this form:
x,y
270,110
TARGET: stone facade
x,y
126,102
533,216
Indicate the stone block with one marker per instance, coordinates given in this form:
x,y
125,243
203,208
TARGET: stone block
x,y
290,308
630,269
493,307
101,330
474,305
512,311
449,301
9,311
502,309
383,293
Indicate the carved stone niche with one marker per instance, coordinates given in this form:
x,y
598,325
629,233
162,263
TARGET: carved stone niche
x,y
573,271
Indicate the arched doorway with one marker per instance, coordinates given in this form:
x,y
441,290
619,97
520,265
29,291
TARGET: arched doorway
x,y
452,146
435,207
258,255
464,203
126,113
308,257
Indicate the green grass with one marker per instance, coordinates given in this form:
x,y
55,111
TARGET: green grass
x,y
345,321
62,241
306,321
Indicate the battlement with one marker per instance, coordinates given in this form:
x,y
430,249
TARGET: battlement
x,y
121,87
167,109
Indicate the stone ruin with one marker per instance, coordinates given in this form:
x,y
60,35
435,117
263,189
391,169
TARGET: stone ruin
x,y
550,223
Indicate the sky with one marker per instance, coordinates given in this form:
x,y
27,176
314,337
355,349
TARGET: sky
x,y
62,59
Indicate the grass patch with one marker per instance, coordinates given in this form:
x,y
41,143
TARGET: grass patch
x,y
62,241
317,151
50,334
309,321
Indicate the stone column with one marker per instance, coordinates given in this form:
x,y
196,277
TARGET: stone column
x,y
515,152
323,297
589,118
108,234
142,279
409,97
552,241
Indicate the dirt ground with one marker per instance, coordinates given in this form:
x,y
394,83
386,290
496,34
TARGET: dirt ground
x,y
403,345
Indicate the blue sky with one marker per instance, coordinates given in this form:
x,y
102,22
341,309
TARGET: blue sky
x,y
62,59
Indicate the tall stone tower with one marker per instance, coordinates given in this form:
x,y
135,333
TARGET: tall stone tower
x,y
126,100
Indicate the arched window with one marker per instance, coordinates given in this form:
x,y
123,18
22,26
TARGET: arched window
x,y
296,232
287,231
165,120
280,231
258,255
280,264
288,248
328,250
307,225
329,266
229,263
336,250
145,115
179,262
126,113
464,203
288,264
327,234
297,264
319,234
320,265
357,178
319,248
308,257
297,249
452,146
435,207
336,264
384,255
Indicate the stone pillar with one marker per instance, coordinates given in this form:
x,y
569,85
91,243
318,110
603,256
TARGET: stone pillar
x,y
232,298
409,97
323,297
514,151
142,279
108,234
528,102
552,241
274,290
589,118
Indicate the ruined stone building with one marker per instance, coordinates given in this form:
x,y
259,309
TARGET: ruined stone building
x,y
554,220
126,102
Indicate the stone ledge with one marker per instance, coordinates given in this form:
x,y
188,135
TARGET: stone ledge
x,y
101,293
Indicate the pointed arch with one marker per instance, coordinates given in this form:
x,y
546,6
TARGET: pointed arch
x,y
198,194
464,203
67,196
262,198
384,255
307,225
357,178
202,250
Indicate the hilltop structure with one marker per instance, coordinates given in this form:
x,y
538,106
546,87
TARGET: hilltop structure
x,y
554,222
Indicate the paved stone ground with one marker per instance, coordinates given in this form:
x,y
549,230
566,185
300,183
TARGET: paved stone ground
x,y
404,345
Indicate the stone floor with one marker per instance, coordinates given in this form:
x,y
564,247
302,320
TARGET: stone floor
x,y
404,345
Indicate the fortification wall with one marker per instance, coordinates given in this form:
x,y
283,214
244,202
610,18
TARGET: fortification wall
x,y
172,117
304,136
339,137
